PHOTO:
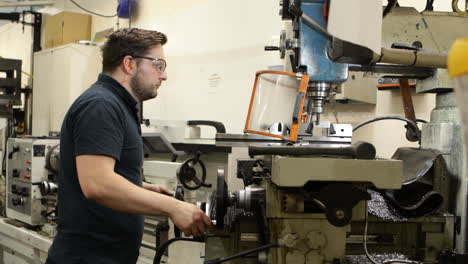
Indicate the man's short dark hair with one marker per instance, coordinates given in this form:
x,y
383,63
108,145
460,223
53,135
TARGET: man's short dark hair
x,y
129,41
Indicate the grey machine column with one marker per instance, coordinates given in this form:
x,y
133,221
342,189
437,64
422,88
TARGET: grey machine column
x,y
445,133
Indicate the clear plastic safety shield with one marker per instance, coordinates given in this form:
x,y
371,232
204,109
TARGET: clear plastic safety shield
x,y
276,100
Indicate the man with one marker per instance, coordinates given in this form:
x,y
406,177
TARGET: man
x,y
101,196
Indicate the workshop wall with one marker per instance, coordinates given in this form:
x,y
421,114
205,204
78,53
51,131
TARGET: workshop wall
x,y
212,56
214,49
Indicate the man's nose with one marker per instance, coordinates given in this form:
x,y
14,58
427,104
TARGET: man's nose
x,y
163,76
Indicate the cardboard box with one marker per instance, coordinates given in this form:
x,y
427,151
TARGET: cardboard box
x,y
66,27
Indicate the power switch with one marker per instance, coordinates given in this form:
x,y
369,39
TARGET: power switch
x,y
24,191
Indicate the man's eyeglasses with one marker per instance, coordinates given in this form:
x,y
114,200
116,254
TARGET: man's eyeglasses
x,y
160,64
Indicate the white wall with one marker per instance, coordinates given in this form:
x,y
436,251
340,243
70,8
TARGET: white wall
x,y
208,40
223,40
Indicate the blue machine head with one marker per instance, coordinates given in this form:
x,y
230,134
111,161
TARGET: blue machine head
x,y
314,45
310,43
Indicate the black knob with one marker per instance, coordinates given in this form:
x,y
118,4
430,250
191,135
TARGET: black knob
x,y
13,188
17,201
15,173
24,191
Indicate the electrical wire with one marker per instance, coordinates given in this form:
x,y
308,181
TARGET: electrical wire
x,y
456,9
390,261
421,121
89,11
410,122
429,5
162,249
28,74
240,254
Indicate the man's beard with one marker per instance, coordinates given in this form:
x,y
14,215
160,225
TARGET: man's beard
x,y
141,90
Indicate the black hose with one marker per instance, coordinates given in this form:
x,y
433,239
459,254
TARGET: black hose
x,y
240,254
359,150
421,121
160,250
390,5
410,122
429,5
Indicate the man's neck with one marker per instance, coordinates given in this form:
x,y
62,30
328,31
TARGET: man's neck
x,y
123,79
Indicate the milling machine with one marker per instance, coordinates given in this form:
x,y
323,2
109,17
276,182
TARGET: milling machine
x,y
295,188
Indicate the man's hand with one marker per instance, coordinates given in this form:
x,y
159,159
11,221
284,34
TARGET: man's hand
x,y
158,188
190,219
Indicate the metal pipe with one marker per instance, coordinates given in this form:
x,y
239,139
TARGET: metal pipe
x,y
411,57
25,3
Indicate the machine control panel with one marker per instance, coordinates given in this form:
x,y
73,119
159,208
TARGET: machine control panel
x,y
27,165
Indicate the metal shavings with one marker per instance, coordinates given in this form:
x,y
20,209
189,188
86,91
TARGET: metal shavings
x,y
233,214
378,206
379,258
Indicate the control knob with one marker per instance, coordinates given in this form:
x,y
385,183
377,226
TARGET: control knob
x,y
17,201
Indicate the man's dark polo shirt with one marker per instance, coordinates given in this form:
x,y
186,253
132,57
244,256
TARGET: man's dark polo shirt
x,y
102,121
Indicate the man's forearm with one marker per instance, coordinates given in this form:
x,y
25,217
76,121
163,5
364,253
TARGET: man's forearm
x,y
121,195
99,182
145,185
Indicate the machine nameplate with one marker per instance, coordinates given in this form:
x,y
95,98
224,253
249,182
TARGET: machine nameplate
x,y
39,150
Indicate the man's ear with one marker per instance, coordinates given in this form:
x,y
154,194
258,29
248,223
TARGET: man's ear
x,y
127,64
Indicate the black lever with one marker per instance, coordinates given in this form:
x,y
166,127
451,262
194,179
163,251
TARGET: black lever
x,y
220,128
15,149
271,48
397,45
